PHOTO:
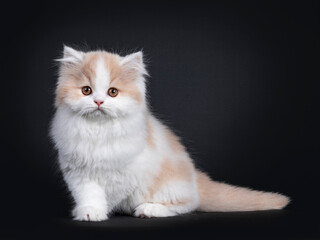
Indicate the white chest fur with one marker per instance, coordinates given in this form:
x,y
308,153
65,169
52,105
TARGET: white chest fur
x,y
109,145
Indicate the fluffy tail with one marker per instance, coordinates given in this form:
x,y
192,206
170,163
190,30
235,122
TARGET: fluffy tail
x,y
221,197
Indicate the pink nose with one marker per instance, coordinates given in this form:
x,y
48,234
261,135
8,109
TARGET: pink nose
x,y
98,102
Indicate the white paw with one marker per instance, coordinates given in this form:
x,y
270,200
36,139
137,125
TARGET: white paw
x,y
149,210
89,214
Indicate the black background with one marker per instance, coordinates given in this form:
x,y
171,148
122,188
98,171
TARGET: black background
x,y
237,80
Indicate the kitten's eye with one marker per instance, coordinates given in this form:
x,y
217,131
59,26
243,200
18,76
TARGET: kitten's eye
x,y
86,90
113,92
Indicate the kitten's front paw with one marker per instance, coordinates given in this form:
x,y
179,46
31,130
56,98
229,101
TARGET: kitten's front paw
x,y
89,214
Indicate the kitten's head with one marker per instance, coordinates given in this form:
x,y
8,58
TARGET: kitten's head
x,y
100,84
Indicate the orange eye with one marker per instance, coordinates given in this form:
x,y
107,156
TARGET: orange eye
x,y
113,92
86,90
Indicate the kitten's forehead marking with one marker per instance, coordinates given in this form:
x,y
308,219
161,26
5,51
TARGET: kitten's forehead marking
x,y
102,80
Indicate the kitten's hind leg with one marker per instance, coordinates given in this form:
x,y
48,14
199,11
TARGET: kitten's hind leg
x,y
149,209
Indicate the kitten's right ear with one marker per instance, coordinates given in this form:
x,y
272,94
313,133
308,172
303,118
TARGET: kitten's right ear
x,y
71,56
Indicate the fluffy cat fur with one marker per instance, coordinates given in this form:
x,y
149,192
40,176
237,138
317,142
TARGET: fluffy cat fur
x,y
117,157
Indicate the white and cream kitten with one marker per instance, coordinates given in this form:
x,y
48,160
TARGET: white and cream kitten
x,y
115,156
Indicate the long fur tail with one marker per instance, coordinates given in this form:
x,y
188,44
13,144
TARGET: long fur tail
x,y
221,197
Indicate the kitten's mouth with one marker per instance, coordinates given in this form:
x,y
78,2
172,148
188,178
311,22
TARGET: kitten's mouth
x,y
96,113
100,110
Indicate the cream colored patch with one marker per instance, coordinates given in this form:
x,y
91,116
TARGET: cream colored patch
x,y
111,62
70,87
177,203
174,142
171,171
123,79
150,136
89,66
127,88
221,197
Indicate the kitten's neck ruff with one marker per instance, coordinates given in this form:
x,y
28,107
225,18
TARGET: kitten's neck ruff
x,y
110,144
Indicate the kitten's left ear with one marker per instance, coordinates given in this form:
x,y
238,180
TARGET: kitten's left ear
x,y
134,62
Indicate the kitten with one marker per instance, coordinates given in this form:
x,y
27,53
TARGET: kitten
x,y
115,156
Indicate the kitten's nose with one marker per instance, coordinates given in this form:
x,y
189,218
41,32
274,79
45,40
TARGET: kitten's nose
x,y
98,102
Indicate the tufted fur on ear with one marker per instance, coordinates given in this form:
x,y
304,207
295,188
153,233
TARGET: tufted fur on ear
x,y
133,63
71,56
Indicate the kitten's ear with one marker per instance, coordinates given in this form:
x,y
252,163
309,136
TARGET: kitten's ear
x,y
71,56
134,62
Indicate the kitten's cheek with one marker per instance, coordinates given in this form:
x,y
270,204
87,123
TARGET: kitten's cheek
x,y
74,105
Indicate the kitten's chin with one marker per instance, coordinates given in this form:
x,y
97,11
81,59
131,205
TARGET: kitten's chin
x,y
97,114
